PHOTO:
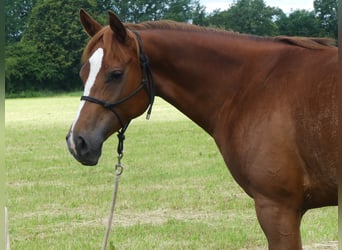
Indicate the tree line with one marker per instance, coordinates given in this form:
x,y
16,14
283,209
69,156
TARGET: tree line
x,y
44,38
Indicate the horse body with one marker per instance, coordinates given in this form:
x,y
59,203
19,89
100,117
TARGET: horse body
x,y
269,104
268,107
274,127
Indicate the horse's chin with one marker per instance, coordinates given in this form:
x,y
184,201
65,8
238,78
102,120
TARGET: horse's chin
x,y
87,154
89,159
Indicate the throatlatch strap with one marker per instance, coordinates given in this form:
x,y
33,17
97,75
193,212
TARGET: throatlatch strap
x,y
147,74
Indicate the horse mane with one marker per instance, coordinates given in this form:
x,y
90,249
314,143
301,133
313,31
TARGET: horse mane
x,y
167,25
305,42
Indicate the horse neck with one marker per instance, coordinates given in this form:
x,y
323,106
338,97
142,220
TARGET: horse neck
x,y
197,73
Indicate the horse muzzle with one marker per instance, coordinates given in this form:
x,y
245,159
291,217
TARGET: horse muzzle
x,y
84,149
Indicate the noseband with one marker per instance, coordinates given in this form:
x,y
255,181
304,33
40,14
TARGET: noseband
x,y
147,83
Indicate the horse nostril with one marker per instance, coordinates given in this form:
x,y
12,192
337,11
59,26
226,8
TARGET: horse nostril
x,y
81,145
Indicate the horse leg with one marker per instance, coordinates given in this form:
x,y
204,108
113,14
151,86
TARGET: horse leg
x,y
280,224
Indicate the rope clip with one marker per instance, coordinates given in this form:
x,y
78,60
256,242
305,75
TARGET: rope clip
x,y
118,166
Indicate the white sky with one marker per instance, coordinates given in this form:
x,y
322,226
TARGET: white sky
x,y
286,5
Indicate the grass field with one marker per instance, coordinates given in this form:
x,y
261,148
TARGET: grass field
x,y
175,192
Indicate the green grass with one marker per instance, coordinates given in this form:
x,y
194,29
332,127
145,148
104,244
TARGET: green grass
x,y
175,192
41,94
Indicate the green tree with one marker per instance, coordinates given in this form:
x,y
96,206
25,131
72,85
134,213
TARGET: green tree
x,y
26,68
326,11
218,19
17,13
56,33
248,16
299,23
199,14
152,10
181,10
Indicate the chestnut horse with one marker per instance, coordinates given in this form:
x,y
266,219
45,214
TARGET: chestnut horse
x,y
269,103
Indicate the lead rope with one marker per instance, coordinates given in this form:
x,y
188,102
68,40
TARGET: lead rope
x,y
118,171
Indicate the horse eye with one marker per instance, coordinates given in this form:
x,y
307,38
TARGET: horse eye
x,y
115,76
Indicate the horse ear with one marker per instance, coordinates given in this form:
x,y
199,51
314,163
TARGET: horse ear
x,y
117,27
90,25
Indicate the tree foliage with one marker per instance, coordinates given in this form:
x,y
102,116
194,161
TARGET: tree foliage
x,y
299,23
17,14
248,16
44,38
326,11
152,10
52,44
24,68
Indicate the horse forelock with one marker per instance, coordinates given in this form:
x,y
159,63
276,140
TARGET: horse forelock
x,y
92,43
106,36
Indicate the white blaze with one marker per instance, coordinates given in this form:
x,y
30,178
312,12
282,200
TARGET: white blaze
x,y
95,62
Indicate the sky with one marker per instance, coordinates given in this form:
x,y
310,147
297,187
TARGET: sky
x,y
286,5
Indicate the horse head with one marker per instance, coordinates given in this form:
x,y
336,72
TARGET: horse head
x,y
115,86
